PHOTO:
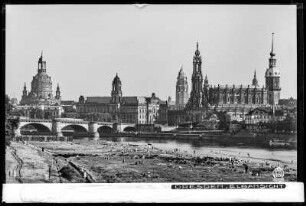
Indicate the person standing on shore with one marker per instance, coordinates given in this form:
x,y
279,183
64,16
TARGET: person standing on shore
x,y
246,167
49,171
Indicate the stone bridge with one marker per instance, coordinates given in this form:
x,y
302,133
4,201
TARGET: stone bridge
x,y
58,125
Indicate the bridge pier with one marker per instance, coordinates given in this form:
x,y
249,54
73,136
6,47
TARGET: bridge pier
x,y
56,128
93,129
117,127
17,132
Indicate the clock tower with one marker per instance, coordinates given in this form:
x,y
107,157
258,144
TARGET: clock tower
x,y
273,79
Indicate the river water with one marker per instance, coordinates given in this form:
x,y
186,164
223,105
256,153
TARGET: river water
x,y
205,147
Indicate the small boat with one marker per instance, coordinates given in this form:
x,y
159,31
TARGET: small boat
x,y
278,142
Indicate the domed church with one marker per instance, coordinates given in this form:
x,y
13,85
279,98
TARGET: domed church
x,y
41,88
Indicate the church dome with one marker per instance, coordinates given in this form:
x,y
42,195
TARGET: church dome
x,y
116,80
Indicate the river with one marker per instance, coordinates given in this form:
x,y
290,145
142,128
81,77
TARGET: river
x,y
206,147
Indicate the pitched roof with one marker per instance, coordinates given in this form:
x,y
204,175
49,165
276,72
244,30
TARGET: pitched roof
x,y
267,110
130,100
103,100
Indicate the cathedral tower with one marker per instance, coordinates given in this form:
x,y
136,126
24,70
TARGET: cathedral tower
x,y
195,99
181,90
255,81
273,79
116,95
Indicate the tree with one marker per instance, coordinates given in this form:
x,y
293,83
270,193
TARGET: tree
x,y
224,123
19,113
10,124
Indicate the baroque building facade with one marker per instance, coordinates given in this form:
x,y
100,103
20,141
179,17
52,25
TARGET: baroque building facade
x,y
41,88
119,108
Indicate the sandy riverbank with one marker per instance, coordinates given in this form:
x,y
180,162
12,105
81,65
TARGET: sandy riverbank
x,y
125,162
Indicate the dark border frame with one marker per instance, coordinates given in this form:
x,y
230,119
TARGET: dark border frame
x,y
300,59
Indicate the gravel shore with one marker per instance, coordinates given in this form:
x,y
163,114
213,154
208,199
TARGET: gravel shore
x,y
125,162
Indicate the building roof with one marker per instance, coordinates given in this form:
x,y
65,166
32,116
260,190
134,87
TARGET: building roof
x,y
171,103
67,102
130,100
231,86
267,110
97,99
288,102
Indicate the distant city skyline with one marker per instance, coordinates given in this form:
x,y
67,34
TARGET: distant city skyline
x,y
86,45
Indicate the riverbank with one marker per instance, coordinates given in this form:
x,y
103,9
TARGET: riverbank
x,y
108,161
245,137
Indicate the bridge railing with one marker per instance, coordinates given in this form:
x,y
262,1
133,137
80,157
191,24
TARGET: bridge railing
x,y
76,122
104,123
50,120
63,121
35,120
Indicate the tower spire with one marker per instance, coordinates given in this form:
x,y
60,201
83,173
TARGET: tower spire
x,y
41,56
255,81
272,51
197,52
181,70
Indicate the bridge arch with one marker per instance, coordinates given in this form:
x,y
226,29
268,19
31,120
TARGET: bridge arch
x,y
129,129
105,129
32,128
74,127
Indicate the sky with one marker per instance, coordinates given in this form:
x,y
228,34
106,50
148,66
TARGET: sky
x,y
86,45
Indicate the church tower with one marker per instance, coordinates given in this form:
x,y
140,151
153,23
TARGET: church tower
x,y
273,79
195,99
24,92
205,99
181,90
58,92
255,81
116,95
